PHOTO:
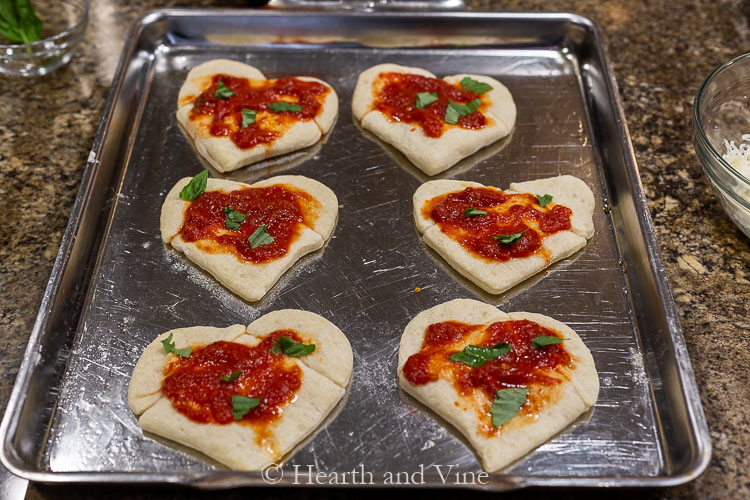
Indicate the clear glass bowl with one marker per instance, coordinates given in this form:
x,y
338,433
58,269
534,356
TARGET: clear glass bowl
x,y
64,24
721,111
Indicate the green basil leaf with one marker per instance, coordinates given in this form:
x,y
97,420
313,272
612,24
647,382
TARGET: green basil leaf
x,y
169,346
424,99
195,187
545,340
543,200
248,117
509,238
289,347
475,355
260,237
233,218
507,404
242,404
456,110
472,85
232,377
19,22
473,212
281,106
451,115
222,91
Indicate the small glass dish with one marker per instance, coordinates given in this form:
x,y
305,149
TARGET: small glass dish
x,y
721,112
64,23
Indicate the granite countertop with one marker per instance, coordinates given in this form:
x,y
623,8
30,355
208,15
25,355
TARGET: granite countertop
x,y
660,51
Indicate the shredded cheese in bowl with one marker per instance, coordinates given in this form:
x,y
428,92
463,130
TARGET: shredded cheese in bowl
x,y
739,157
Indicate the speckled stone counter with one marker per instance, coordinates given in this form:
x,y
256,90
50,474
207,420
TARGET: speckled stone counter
x,y
660,52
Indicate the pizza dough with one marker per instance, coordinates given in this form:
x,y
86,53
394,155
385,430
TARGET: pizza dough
x,y
325,375
249,280
496,276
576,393
221,152
434,155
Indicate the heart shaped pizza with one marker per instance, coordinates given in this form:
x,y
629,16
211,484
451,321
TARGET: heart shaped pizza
x,y
243,396
235,116
434,122
508,382
245,235
499,238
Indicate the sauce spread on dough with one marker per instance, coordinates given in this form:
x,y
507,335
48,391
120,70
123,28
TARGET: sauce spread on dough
x,y
283,209
398,96
257,95
539,369
195,388
506,214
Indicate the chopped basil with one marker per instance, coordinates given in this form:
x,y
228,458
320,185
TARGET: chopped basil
x,y
424,99
509,238
475,355
248,117
543,200
473,212
507,404
222,91
472,85
170,347
195,187
544,340
232,377
260,237
242,404
233,218
289,347
455,110
281,106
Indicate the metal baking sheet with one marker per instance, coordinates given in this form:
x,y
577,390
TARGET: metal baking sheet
x,y
115,286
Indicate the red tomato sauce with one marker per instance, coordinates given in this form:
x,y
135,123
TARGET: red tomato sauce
x,y
282,209
397,100
257,95
506,214
523,366
195,388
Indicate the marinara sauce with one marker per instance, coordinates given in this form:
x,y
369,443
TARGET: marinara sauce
x,y
195,388
507,214
257,95
523,366
397,99
281,208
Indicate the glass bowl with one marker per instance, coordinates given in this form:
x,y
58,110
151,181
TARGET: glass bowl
x,y
64,24
721,112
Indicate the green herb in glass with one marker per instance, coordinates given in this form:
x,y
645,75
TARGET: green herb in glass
x,y
19,22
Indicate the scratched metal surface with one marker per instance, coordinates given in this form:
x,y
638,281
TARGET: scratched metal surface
x,y
363,280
